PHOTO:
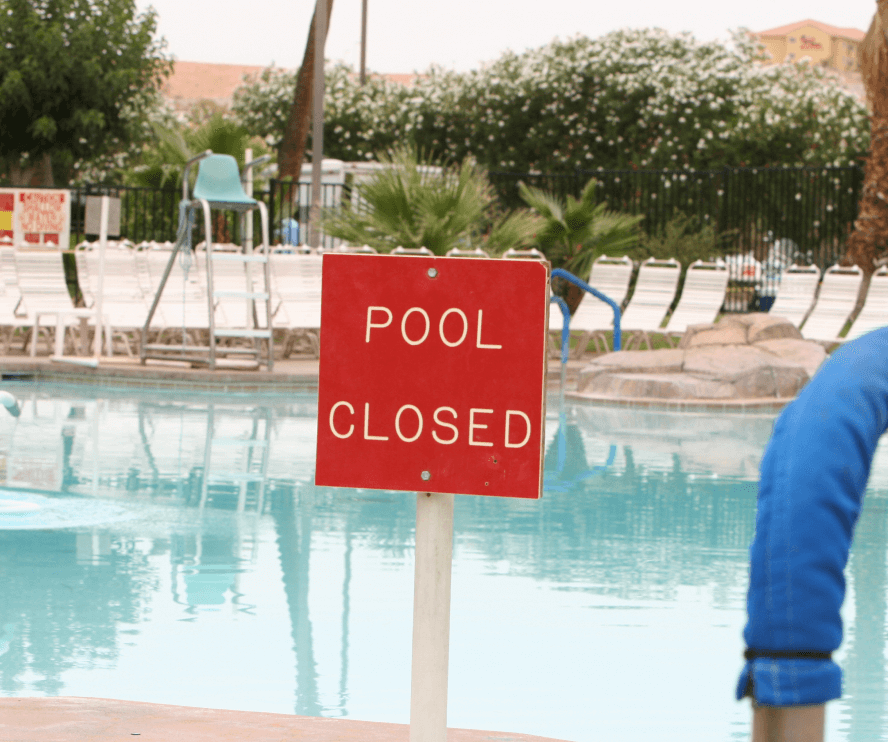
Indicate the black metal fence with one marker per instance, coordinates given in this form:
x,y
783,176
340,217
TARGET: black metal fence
x,y
814,207
765,218
148,214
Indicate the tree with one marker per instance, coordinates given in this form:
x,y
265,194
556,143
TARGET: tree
x,y
869,240
359,120
575,231
411,202
76,78
640,99
292,147
163,159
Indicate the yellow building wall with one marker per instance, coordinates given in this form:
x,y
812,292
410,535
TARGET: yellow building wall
x,y
815,44
775,48
808,41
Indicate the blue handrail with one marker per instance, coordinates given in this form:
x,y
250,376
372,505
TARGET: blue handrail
x,y
565,331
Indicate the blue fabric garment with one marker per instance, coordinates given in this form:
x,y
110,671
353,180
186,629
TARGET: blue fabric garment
x,y
813,475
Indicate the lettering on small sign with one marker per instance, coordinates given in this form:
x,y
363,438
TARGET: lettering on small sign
x,y
35,217
432,374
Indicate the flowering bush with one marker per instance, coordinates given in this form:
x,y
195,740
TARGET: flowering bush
x,y
358,121
630,99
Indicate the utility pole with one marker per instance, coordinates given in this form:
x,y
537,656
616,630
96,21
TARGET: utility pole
x,y
363,41
317,126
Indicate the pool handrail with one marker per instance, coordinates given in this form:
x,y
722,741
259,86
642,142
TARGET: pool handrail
x,y
571,278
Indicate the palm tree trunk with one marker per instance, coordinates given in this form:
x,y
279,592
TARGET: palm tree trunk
x,y
869,240
292,148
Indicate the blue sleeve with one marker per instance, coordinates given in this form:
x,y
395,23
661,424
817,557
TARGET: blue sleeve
x,y
813,475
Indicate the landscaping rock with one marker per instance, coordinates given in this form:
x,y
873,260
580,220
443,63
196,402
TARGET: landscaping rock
x,y
731,362
742,357
667,361
661,386
698,335
806,354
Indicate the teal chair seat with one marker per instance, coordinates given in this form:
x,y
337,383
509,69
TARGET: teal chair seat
x,y
218,182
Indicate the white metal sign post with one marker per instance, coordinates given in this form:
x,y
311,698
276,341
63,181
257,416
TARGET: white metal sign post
x,y
431,617
450,398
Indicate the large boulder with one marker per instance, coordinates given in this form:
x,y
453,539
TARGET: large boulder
x,y
750,356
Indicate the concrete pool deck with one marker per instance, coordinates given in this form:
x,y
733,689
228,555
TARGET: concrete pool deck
x,y
104,720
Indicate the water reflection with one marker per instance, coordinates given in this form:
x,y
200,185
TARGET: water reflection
x,y
207,556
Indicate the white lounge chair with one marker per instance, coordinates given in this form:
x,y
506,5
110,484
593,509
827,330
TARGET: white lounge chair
x,y
702,296
44,292
296,284
835,302
795,297
13,315
476,252
653,294
124,302
874,313
595,317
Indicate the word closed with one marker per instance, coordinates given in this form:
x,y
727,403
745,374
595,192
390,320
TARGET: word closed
x,y
432,374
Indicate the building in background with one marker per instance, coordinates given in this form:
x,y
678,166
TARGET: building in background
x,y
833,48
212,86
202,83
829,46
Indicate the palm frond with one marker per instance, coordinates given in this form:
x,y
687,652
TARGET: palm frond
x,y
517,230
545,204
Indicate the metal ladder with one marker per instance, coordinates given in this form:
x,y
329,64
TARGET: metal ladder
x,y
246,465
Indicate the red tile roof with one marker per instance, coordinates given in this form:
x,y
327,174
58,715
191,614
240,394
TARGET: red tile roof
x,y
196,81
843,33
192,82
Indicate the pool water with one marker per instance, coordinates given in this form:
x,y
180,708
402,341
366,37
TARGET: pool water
x,y
173,549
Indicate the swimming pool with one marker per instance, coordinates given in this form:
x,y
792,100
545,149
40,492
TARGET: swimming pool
x,y
172,548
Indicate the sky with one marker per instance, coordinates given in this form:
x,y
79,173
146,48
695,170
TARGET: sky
x,y
410,35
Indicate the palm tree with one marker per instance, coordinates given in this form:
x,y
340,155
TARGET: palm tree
x,y
575,231
869,240
163,161
412,202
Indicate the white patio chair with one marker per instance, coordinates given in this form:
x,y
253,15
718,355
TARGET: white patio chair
x,y
476,252
835,302
702,296
595,317
44,293
874,313
653,295
124,301
13,315
7,271
795,295
296,282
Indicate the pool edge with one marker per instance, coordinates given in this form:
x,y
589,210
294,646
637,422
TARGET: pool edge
x,y
75,719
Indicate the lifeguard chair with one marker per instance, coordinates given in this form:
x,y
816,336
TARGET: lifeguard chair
x,y
218,187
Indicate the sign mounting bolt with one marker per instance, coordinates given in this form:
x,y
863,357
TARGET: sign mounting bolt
x,y
426,475
433,272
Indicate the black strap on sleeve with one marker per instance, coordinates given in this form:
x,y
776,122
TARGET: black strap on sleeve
x,y
793,654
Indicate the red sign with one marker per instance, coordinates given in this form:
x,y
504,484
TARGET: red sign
x,y
808,42
432,374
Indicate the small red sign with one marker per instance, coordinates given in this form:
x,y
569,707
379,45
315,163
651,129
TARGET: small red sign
x,y
432,374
